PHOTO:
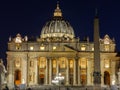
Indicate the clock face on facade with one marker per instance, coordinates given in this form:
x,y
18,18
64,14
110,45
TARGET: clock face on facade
x,y
18,40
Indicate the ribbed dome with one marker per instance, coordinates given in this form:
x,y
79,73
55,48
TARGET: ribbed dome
x,y
57,27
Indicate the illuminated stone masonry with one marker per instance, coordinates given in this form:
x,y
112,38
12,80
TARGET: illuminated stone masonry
x,y
37,61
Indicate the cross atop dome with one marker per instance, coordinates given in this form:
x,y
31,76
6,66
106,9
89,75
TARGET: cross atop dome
x,y
57,12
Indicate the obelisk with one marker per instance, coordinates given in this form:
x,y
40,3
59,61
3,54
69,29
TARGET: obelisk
x,y
97,69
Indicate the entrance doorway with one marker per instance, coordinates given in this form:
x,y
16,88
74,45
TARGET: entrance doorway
x,y
106,78
41,80
71,80
17,77
83,79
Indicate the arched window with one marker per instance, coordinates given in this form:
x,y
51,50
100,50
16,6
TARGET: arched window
x,y
42,62
54,63
83,63
71,64
62,62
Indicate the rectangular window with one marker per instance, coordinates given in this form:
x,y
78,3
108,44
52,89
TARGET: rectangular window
x,y
42,48
54,63
106,63
106,47
42,63
83,48
62,63
83,63
71,64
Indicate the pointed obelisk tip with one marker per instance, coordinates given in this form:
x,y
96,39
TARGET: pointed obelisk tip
x,y
96,12
58,2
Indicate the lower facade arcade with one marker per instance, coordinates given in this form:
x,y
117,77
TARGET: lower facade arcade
x,y
42,70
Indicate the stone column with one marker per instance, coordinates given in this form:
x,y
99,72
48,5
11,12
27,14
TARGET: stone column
x,y
74,75
89,72
67,72
79,83
58,66
50,70
118,77
36,72
46,78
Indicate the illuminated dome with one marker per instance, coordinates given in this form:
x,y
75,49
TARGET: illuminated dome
x,y
57,27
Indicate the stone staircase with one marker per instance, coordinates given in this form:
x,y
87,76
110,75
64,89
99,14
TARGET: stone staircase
x,y
70,88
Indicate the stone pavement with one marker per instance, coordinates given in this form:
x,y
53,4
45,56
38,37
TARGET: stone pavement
x,y
67,88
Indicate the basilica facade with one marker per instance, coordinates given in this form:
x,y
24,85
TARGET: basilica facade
x,y
57,50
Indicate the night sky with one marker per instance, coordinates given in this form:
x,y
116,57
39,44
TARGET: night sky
x,y
28,18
